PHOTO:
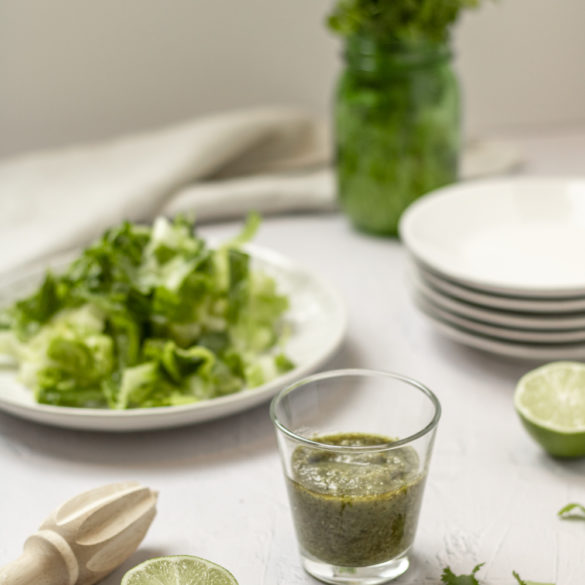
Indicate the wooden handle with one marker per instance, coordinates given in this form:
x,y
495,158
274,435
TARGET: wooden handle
x,y
47,559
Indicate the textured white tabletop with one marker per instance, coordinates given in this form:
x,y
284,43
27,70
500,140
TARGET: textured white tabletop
x,y
492,494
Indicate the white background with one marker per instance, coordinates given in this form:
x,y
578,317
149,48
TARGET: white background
x,y
74,70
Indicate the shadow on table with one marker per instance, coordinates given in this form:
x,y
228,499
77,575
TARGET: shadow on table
x,y
478,362
217,442
562,468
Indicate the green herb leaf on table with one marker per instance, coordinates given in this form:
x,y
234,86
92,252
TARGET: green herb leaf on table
x,y
149,316
522,582
449,578
572,511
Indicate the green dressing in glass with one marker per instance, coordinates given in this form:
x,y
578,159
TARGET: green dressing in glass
x,y
355,509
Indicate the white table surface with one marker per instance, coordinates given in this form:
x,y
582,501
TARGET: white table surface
x,y
492,494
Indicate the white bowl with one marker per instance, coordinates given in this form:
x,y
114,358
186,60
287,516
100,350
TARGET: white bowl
x,y
522,236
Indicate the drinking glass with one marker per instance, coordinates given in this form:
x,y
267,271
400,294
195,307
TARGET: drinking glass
x,y
355,447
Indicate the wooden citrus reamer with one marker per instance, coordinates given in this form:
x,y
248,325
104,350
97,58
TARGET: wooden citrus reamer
x,y
86,538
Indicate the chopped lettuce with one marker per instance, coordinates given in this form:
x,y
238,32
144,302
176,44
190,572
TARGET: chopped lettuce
x,y
149,316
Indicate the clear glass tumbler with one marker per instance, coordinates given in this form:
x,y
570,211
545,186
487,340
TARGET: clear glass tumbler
x,y
355,447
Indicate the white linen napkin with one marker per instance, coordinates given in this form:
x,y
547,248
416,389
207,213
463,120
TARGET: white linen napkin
x,y
268,159
220,166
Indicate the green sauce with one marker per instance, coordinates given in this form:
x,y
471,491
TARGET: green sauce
x,y
355,509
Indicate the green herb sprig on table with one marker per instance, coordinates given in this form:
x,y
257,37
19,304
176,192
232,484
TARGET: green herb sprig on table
x,y
572,511
449,578
398,19
522,582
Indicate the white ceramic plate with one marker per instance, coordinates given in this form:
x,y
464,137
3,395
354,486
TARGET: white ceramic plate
x,y
538,352
527,321
521,236
497,332
496,301
318,318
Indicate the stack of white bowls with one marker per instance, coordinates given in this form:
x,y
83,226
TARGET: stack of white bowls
x,y
500,264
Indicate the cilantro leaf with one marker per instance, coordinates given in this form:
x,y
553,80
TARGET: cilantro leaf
x,y
522,582
572,511
518,578
397,19
449,578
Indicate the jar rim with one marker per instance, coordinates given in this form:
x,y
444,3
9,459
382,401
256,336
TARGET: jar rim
x,y
369,53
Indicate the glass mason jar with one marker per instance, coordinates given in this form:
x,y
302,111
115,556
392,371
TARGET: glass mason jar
x,y
397,127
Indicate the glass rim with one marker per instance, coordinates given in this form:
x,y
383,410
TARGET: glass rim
x,y
364,372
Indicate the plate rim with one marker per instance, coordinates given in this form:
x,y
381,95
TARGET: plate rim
x,y
94,419
500,333
465,309
541,352
496,301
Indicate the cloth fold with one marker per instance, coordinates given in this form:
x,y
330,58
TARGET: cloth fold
x,y
269,159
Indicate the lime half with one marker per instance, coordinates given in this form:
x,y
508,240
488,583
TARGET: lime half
x,y
551,404
178,570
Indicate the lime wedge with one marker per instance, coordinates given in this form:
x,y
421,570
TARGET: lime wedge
x,y
178,570
551,404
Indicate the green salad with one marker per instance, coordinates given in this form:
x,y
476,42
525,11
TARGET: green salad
x,y
149,316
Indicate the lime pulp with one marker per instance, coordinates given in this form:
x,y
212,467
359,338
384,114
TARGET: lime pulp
x,y
550,402
178,570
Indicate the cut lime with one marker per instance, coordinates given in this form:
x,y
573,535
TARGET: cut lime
x,y
178,570
551,404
